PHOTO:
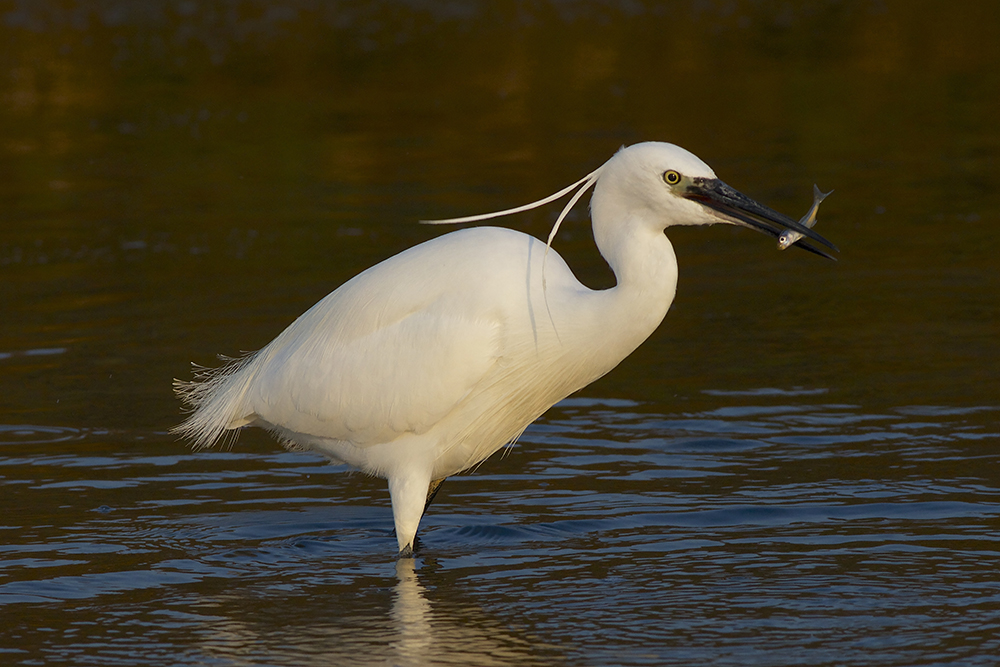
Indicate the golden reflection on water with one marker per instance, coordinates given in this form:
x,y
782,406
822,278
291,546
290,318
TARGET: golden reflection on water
x,y
192,173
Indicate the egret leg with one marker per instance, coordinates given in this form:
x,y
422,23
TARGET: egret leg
x,y
432,491
409,495
401,509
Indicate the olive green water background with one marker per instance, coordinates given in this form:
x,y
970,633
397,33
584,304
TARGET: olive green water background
x,y
799,467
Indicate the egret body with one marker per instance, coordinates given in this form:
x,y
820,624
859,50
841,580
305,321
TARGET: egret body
x,y
425,364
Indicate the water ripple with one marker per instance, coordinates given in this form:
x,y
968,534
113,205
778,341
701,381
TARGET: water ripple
x,y
780,520
27,434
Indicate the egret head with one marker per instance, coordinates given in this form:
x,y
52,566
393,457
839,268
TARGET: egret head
x,y
662,185
666,185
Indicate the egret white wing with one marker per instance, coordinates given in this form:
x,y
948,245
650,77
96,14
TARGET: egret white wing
x,y
391,351
403,376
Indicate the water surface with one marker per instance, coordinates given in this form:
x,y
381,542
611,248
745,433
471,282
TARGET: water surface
x,y
779,529
799,467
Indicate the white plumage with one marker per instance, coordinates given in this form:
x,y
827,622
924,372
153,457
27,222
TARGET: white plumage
x,y
425,364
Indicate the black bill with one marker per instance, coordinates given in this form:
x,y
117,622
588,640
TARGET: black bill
x,y
739,209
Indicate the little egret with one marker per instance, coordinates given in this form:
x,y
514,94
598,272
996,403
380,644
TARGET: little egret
x,y
425,364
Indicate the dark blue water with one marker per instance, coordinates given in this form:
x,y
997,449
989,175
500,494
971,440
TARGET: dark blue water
x,y
780,530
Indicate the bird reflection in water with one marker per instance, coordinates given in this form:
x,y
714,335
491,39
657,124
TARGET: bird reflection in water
x,y
404,630
412,615
424,636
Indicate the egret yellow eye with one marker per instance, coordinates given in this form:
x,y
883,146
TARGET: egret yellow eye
x,y
671,177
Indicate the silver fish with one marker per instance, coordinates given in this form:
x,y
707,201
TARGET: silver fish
x,y
788,237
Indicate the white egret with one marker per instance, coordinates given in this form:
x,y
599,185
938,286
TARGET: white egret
x,y
425,364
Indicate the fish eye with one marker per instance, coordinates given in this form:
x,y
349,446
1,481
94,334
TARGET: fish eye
x,y
671,177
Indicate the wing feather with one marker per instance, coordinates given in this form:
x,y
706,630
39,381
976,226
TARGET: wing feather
x,y
399,378
391,351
